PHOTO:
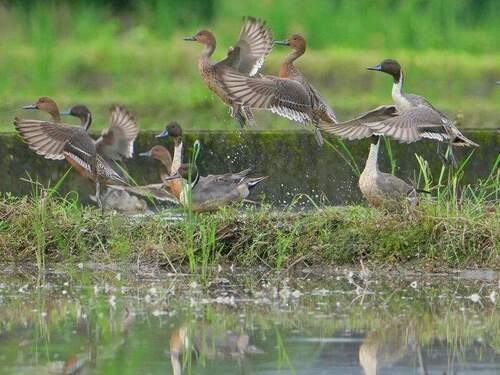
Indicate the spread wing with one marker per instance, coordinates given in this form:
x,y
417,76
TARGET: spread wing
x,y
358,128
117,141
281,96
254,45
58,141
412,125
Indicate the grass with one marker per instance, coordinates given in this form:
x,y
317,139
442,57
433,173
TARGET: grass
x,y
457,225
133,57
435,236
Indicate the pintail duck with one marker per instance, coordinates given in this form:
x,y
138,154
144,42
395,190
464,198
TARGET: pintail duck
x,y
160,191
410,119
213,191
56,140
383,189
174,130
247,57
321,109
117,140
285,97
206,342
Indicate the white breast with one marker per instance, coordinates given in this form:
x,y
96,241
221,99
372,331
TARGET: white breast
x,y
399,100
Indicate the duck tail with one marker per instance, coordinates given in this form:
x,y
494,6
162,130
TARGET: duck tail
x,y
462,141
252,182
247,112
423,191
246,172
105,170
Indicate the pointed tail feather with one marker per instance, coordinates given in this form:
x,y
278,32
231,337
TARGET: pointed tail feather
x,y
462,141
254,181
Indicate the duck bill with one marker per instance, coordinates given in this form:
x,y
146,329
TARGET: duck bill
x,y
163,134
146,154
281,42
30,106
376,67
173,177
189,38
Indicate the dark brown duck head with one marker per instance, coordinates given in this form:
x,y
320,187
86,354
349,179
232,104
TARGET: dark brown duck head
x,y
204,37
389,66
46,104
159,153
81,112
173,129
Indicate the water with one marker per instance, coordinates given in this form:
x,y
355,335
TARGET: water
x,y
93,319
293,161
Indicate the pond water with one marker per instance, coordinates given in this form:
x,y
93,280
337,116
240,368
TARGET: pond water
x,y
92,319
294,162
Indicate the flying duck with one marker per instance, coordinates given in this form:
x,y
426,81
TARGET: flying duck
x,y
246,57
56,140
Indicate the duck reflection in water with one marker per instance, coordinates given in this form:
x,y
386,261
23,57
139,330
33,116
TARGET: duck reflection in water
x,y
203,341
384,348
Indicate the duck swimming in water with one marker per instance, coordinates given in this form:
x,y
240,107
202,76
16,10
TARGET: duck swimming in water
x,y
246,57
56,140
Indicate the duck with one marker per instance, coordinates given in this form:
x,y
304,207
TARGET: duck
x,y
56,140
246,57
384,189
205,341
322,110
212,192
174,130
162,191
117,140
411,118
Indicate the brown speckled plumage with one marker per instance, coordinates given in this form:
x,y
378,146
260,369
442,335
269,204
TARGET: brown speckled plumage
x,y
55,140
246,57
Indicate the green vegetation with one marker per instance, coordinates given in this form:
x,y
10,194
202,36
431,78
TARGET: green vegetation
x,y
435,235
133,54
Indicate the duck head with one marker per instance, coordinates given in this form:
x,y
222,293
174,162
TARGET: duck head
x,y
388,66
295,41
80,111
157,152
173,129
46,104
204,37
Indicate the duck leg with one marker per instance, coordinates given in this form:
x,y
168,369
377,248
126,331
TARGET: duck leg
x,y
98,195
447,158
237,114
319,137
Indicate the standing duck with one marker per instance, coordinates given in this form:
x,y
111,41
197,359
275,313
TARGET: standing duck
x,y
247,57
174,130
160,191
213,191
56,140
117,140
383,189
410,119
322,110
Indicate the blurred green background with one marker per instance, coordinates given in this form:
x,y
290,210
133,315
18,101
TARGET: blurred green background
x,y
131,52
